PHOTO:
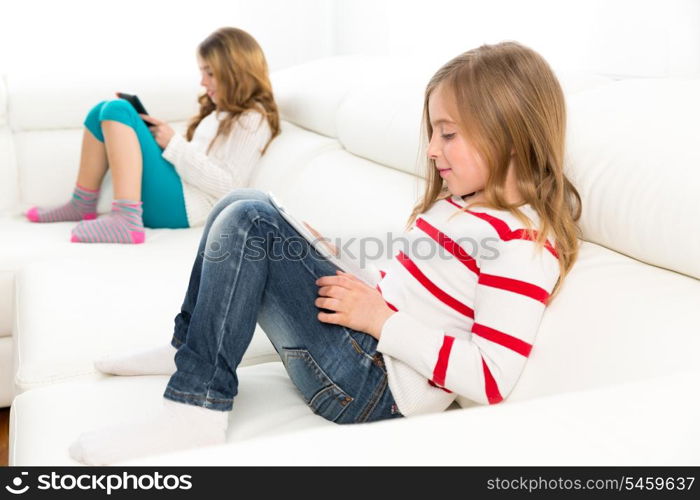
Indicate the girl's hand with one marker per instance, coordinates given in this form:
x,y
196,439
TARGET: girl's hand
x,y
330,246
355,304
162,132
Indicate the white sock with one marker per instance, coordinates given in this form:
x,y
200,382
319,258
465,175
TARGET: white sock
x,y
153,361
176,426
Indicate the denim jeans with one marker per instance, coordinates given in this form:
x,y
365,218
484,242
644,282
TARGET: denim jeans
x,y
252,266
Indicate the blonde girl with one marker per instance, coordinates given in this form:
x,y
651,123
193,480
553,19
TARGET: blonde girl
x,y
454,325
164,180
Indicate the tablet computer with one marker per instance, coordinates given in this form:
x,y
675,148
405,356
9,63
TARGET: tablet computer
x,y
136,103
369,275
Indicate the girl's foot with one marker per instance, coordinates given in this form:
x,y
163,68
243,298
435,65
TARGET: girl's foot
x,y
176,426
124,224
82,206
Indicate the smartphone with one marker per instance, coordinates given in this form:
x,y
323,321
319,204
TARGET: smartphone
x,y
136,103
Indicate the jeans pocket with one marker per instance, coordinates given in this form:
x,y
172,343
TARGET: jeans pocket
x,y
321,394
361,342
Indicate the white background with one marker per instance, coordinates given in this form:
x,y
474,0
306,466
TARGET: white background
x,y
647,38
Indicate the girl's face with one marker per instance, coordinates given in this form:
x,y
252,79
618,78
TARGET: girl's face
x,y
208,81
458,163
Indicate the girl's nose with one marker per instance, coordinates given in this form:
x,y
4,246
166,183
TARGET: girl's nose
x,y
432,151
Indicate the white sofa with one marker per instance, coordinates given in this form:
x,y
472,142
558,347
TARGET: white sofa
x,y
613,374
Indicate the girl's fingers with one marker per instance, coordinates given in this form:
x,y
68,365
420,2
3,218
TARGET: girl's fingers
x,y
333,318
150,119
327,303
350,276
333,280
332,291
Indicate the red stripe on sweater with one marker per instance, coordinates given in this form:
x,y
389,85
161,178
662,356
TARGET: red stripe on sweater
x,y
492,392
435,385
391,306
432,287
448,244
500,338
440,370
504,232
515,286
522,234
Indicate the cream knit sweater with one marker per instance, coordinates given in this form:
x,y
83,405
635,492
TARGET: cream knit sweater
x,y
230,163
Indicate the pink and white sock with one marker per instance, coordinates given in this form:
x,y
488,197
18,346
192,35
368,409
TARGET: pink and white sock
x,y
82,206
124,224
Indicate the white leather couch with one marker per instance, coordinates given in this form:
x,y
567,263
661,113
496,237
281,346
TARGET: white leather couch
x,y
613,375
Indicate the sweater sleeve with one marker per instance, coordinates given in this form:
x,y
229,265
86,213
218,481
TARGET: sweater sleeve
x,y
484,365
234,161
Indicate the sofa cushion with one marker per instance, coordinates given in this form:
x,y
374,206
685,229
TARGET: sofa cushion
x,y
3,100
381,120
613,426
286,155
270,425
309,94
64,102
25,242
7,304
343,195
9,184
615,320
633,153
71,311
267,404
48,163
7,372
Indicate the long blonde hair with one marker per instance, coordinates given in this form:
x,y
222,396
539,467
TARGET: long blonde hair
x,y
243,82
507,98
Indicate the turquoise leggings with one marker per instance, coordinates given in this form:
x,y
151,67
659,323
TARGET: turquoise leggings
x,y
161,187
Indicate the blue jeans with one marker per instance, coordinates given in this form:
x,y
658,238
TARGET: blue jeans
x,y
252,266
161,187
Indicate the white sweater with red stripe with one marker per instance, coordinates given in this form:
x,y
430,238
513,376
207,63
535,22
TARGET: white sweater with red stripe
x,y
468,314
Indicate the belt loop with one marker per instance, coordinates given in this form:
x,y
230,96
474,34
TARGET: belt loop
x,y
378,359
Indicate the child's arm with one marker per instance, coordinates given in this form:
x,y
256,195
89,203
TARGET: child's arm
x,y
509,302
218,176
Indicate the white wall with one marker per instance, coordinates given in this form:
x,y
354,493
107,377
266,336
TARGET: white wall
x,y
612,37
158,36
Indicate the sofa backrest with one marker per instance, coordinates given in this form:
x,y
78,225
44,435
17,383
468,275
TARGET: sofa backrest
x,y
350,144
632,148
9,187
633,152
45,115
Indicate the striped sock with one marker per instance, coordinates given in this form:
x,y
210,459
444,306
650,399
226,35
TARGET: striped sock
x,y
82,206
123,225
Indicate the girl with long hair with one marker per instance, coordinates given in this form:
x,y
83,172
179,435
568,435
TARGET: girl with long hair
x,y
164,180
457,325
